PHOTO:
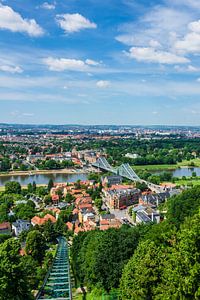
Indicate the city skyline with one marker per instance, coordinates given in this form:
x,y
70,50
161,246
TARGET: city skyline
x,y
130,62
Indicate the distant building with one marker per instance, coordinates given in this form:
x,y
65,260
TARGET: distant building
x,y
110,180
133,156
109,221
145,214
5,228
20,225
121,196
40,221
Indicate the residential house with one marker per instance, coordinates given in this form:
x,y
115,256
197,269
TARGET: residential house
x,y
20,225
5,228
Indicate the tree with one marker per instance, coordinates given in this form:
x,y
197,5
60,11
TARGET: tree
x,y
141,186
142,274
50,184
30,188
98,203
99,257
12,187
36,245
34,187
47,199
183,205
49,231
13,277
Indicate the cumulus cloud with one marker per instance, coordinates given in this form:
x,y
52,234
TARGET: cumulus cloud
x,y
64,64
11,69
48,6
103,84
148,54
74,22
190,43
13,21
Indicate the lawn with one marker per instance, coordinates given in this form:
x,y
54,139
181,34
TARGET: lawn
x,y
184,163
195,161
188,181
155,167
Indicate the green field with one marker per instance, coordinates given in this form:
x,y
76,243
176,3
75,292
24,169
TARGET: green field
x,y
189,181
187,163
155,167
184,163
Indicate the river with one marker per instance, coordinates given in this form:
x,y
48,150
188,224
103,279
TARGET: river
x,y
42,178
59,177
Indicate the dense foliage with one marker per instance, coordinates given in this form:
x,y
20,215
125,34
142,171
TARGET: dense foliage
x,y
166,264
98,257
156,261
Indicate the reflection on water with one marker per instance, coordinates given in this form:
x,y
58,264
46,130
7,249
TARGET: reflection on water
x,y
186,172
57,177
43,178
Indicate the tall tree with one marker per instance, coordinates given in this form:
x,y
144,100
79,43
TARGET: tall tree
x,y
36,245
13,277
50,184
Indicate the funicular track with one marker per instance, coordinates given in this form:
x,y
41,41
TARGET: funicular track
x,y
57,285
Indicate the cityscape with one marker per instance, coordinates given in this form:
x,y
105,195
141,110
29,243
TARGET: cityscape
x,y
100,150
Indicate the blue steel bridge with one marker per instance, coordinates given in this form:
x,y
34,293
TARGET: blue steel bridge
x,y
56,285
125,171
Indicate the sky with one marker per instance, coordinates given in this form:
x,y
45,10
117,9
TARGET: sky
x,y
100,62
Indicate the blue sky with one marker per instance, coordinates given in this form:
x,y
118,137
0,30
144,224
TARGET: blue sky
x,y
100,62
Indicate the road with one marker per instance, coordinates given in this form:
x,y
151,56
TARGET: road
x,y
120,214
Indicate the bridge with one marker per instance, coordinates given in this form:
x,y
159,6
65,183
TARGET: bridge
x,y
125,171
56,285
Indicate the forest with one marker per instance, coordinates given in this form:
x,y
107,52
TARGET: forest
x,y
156,261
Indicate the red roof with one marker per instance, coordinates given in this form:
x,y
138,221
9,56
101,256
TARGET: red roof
x,y
5,225
69,225
40,221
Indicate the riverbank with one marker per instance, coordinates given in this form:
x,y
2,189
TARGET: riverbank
x,y
44,172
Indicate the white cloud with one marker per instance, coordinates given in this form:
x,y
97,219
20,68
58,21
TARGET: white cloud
x,y
92,62
48,6
103,83
161,24
194,26
154,44
190,43
148,54
189,3
11,69
65,64
74,22
13,21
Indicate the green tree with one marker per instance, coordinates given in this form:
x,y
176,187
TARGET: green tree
x,y
12,187
50,184
13,277
36,245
